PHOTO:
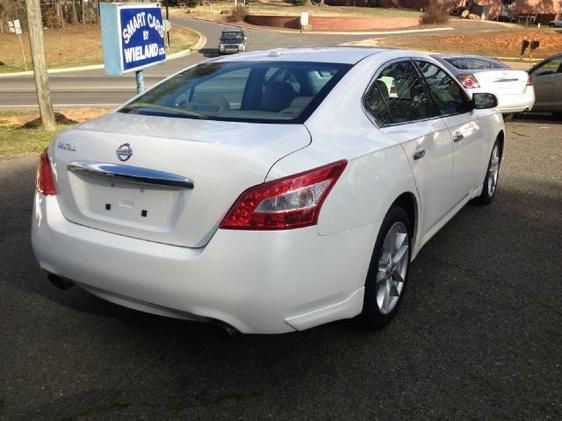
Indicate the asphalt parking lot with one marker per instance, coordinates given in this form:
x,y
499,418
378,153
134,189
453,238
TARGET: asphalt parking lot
x,y
478,336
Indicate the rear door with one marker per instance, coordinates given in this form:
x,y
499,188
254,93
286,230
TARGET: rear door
x,y
545,79
409,116
464,128
557,95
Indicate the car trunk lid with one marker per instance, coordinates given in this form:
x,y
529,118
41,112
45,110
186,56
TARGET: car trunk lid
x,y
180,179
503,82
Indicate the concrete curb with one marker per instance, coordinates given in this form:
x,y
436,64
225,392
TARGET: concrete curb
x,y
196,47
296,31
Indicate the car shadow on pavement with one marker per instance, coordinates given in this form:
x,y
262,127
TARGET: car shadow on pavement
x,y
536,118
209,52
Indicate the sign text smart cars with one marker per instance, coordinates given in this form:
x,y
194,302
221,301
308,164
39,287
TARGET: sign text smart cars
x,y
132,35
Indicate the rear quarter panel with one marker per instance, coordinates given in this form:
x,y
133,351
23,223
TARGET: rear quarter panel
x,y
492,124
377,171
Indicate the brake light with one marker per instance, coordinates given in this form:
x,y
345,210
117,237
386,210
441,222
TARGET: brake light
x,y
44,182
530,81
468,81
286,203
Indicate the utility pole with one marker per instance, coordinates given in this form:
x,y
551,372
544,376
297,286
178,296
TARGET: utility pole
x,y
35,27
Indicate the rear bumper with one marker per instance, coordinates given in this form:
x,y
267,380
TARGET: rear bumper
x,y
231,48
517,103
257,282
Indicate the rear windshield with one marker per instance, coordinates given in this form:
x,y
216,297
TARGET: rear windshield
x,y
234,35
265,92
471,63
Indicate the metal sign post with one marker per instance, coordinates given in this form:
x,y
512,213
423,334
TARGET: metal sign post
x,y
15,26
139,76
168,19
133,37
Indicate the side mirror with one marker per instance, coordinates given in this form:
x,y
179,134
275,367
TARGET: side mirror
x,y
483,101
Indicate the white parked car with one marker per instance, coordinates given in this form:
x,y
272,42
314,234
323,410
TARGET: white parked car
x,y
513,88
269,192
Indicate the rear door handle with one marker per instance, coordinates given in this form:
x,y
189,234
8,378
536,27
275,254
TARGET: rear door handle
x,y
419,154
457,137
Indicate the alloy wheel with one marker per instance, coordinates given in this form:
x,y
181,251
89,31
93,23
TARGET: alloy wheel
x,y
392,267
493,171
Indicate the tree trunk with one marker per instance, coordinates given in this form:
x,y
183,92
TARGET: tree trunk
x,y
58,11
82,12
74,15
35,27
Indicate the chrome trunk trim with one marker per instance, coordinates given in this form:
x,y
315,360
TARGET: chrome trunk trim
x,y
130,174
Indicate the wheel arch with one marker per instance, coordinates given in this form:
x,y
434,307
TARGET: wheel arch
x,y
501,139
409,203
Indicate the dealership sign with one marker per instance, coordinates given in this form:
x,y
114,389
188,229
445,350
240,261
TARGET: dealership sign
x,y
132,36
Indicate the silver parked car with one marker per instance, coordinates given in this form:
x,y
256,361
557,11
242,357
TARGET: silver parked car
x,y
547,79
232,40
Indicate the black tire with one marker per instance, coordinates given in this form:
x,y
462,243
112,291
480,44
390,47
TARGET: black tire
x,y
487,195
372,314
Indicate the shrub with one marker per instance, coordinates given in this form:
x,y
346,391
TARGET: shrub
x,y
237,14
191,3
372,3
299,2
435,14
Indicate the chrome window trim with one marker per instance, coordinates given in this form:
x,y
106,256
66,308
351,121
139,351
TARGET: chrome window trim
x,y
128,173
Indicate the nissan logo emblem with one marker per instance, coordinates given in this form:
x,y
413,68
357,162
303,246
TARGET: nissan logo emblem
x,y
124,152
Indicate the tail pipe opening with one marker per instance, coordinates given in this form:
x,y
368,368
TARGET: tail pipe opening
x,y
60,282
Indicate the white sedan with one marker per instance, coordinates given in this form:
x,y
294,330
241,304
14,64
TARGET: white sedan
x,y
513,88
268,192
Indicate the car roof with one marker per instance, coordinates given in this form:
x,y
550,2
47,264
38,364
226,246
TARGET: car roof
x,y
344,55
233,30
463,56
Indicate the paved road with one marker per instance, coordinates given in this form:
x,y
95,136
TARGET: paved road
x,y
478,335
95,88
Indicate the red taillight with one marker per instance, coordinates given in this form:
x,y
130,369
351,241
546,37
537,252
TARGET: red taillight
x,y
468,81
44,181
286,203
393,89
530,81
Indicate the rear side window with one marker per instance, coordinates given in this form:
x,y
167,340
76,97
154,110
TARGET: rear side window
x,y
447,94
263,92
549,67
401,90
470,63
376,104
